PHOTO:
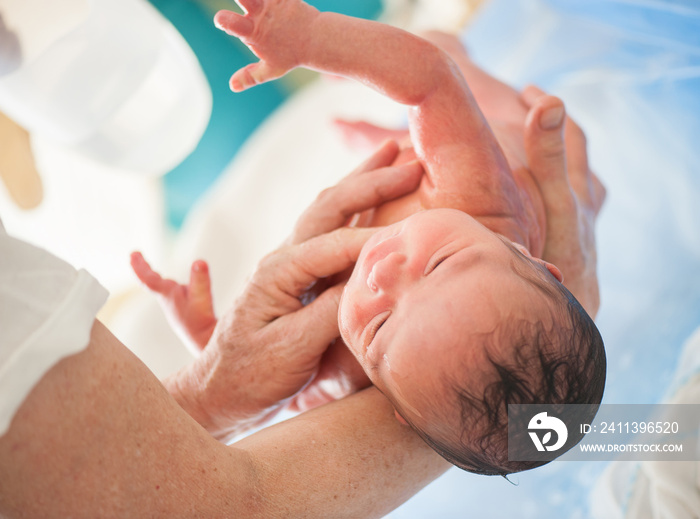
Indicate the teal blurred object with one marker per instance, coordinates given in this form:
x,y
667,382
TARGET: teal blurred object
x,y
234,116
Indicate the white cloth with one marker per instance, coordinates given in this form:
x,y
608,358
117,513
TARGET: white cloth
x,y
656,489
47,309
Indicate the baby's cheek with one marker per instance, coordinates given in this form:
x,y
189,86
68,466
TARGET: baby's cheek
x,y
348,320
343,324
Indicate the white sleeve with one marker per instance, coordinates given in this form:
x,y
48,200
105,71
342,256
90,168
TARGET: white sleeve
x,y
47,309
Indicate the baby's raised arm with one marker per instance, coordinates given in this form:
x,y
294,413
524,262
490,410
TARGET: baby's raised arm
x,y
446,125
286,34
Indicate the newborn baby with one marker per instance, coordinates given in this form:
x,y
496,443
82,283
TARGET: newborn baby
x,y
449,310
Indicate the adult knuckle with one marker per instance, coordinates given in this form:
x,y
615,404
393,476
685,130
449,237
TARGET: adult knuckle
x,y
379,191
267,260
554,149
342,235
325,197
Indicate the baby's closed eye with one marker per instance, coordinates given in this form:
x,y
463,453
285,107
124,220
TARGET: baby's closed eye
x,y
433,264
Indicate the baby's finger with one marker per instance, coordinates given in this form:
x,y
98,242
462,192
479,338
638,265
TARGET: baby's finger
x,y
234,24
145,273
251,75
200,284
250,6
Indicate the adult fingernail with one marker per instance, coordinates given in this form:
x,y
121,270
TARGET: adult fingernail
x,y
413,164
552,118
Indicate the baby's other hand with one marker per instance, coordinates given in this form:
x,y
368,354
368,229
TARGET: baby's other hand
x,y
189,308
276,31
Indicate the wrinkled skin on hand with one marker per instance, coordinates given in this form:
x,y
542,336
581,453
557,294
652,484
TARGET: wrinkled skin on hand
x,y
271,348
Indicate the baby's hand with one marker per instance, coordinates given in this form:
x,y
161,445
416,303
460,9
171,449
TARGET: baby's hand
x,y
276,31
189,308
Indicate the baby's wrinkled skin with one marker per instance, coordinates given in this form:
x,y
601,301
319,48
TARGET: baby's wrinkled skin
x,y
449,274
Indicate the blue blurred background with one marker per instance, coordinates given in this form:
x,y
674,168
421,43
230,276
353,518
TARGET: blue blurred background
x,y
234,116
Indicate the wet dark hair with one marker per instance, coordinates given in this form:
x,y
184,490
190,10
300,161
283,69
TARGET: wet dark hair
x,y
563,363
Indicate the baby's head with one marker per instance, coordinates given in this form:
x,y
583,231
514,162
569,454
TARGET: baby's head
x,y
452,322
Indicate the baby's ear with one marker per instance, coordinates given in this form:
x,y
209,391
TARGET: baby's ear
x,y
400,418
554,270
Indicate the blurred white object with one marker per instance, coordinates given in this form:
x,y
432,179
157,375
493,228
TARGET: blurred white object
x,y
423,15
660,488
112,79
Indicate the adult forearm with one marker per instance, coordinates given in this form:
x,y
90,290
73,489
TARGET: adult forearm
x,y
356,457
100,436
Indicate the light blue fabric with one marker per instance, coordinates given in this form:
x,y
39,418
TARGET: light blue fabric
x,y
629,73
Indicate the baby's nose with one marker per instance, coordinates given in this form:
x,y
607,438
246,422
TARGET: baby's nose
x,y
386,272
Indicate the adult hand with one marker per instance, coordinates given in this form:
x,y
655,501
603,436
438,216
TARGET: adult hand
x,y
269,345
339,373
572,194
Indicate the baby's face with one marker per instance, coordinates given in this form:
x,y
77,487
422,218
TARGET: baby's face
x,y
420,289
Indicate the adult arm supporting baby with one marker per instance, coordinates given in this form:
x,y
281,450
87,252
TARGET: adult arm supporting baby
x,y
268,309
99,436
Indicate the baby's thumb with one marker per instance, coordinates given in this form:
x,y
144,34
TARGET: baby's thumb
x,y
253,74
